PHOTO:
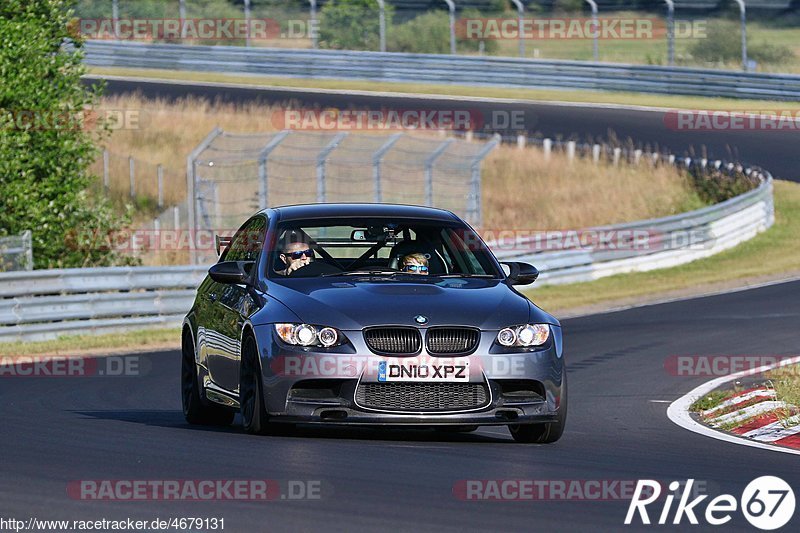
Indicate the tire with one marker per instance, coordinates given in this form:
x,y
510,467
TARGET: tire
x,y
548,432
195,411
255,418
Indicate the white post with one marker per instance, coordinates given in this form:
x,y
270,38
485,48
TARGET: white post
x,y
132,175
617,154
521,140
176,217
596,153
247,21
313,24
571,151
468,136
160,186
115,17
670,32
451,5
382,23
105,171
547,144
637,156
182,15
743,16
596,30
520,14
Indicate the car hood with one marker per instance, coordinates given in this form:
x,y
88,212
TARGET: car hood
x,y
353,304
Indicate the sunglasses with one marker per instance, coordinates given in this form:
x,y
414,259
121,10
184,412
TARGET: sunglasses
x,y
300,253
415,268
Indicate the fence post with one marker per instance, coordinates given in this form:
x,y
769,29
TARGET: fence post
x,y
322,192
547,145
115,17
475,206
27,245
637,156
105,171
376,165
182,15
520,14
596,153
617,154
191,198
451,5
263,184
596,26
313,24
176,218
571,151
382,23
132,175
429,170
468,136
521,140
247,21
160,172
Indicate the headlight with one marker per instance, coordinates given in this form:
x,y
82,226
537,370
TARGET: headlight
x,y
525,335
308,335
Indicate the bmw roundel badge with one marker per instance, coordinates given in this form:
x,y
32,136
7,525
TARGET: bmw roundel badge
x,y
419,319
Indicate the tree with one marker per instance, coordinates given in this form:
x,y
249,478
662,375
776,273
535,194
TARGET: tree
x,y
45,146
351,24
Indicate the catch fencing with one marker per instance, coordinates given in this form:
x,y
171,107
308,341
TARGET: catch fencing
x,y
16,252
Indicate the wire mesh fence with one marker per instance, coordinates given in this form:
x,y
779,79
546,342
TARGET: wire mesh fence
x,y
233,175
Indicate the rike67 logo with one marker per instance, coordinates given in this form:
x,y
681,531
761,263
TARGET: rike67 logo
x,y
767,503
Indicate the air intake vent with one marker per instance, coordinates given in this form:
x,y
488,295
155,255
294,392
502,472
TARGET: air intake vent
x,y
422,396
452,340
402,341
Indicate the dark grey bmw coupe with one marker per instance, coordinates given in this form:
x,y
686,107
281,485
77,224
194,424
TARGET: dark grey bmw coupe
x,y
370,314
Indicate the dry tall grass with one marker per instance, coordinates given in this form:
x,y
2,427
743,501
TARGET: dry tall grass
x,y
521,189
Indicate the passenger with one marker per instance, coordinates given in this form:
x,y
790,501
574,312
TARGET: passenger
x,y
295,255
415,264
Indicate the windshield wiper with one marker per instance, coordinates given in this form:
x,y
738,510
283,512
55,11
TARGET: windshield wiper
x,y
466,276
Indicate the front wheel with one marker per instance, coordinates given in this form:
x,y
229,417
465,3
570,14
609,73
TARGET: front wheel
x,y
251,390
194,410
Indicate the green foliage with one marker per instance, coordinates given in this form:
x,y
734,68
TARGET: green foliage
x,y
351,24
714,187
723,44
44,177
429,33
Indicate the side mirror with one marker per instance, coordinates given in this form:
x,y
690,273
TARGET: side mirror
x,y
521,273
231,272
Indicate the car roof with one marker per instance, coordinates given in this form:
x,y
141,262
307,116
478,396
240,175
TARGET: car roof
x,y
359,210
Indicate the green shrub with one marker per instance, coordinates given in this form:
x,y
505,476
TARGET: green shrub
x,y
351,24
429,33
723,44
44,176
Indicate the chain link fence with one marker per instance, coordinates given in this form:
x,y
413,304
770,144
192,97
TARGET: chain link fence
x,y
233,175
16,252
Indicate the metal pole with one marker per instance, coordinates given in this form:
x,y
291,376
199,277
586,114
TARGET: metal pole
x,y
376,165
263,184
182,15
429,170
191,200
743,15
520,14
247,21
670,32
115,17
132,175
382,23
160,171
475,203
105,171
322,192
452,7
595,38
314,36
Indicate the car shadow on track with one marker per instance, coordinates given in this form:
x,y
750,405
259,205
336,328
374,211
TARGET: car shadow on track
x,y
174,419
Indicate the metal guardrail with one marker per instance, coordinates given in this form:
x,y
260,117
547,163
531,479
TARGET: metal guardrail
x,y
47,303
445,69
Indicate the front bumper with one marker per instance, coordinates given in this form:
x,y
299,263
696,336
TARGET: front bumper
x,y
307,386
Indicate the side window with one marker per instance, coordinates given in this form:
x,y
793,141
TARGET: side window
x,y
248,241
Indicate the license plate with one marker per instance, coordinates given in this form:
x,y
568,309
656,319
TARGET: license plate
x,y
450,372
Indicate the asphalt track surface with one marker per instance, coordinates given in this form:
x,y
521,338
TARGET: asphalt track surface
x,y
774,150
57,430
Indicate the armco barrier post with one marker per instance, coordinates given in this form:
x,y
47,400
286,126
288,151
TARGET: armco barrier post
x,y
547,145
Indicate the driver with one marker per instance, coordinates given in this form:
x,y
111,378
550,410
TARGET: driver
x,y
415,264
295,255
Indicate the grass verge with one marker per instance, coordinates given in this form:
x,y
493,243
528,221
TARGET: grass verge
x,y
548,95
169,338
786,381
771,254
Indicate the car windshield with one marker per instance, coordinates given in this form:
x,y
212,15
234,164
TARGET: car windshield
x,y
379,247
